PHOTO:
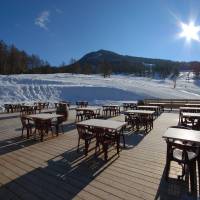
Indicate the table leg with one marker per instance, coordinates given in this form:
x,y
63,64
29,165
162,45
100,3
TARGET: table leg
x,y
42,135
198,163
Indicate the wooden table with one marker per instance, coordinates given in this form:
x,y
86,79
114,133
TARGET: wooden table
x,y
101,123
192,117
111,109
154,108
160,104
192,105
82,103
185,136
129,104
45,117
87,112
88,108
67,103
148,116
187,109
28,109
11,107
182,135
115,126
144,112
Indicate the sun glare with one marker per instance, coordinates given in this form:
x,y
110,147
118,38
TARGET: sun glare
x,y
190,31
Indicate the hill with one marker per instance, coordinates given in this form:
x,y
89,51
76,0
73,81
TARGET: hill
x,y
106,62
15,61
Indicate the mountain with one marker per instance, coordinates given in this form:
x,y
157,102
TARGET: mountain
x,y
108,62
112,57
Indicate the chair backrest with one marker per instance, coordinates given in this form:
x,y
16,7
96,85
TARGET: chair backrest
x,y
42,124
89,112
62,110
100,133
24,120
82,131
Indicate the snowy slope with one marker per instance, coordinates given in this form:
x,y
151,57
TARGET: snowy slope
x,y
94,88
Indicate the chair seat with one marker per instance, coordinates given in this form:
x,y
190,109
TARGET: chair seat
x,y
178,155
30,125
89,136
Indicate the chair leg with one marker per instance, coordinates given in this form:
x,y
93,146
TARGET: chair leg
x,y
78,144
86,147
97,145
118,142
192,171
105,149
28,133
62,128
22,131
167,170
42,135
57,129
123,140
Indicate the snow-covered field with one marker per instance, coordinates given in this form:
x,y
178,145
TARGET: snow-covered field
x,y
93,88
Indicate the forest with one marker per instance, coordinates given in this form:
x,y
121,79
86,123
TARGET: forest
x,y
15,61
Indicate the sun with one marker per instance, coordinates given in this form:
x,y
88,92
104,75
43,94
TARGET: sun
x,y
190,31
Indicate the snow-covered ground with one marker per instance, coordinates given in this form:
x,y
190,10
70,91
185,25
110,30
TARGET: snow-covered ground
x,y
93,88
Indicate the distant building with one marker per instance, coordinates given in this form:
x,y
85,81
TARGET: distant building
x,y
149,66
185,68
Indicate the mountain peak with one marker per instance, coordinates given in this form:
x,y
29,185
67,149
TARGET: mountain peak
x,y
103,51
100,55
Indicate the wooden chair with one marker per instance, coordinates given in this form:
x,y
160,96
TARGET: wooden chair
x,y
146,121
42,127
97,113
132,120
185,155
185,121
106,138
61,110
106,110
89,114
79,115
26,124
84,133
7,108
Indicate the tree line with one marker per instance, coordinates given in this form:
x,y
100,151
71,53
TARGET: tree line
x,y
15,61
106,68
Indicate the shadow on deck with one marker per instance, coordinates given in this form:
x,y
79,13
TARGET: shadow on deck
x,y
63,178
16,143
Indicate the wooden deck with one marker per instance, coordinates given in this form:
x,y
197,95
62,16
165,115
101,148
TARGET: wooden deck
x,y
52,169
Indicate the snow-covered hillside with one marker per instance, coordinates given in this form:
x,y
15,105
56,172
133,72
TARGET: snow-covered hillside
x,y
93,88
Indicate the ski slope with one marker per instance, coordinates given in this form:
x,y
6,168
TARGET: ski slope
x,y
93,88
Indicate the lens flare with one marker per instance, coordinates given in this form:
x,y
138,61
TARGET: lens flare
x,y
189,31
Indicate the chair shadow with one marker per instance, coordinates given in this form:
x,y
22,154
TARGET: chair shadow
x,y
69,127
19,142
15,143
63,177
9,117
173,189
133,138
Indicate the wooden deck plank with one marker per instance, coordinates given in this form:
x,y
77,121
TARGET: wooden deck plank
x,y
54,170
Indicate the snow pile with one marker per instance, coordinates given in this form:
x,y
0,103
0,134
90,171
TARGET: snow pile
x,y
93,88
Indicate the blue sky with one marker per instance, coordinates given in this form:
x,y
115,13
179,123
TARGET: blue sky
x,y
58,30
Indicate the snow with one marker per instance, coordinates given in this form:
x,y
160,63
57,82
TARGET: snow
x,y
92,88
